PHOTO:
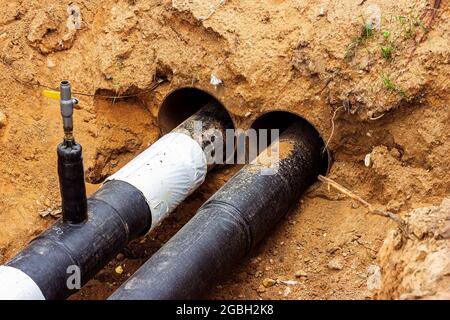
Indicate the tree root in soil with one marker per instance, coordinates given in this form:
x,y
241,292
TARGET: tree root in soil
x,y
401,223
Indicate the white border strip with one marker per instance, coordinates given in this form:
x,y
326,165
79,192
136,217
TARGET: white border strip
x,y
166,173
17,285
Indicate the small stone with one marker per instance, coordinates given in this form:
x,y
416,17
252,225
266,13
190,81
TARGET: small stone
x,y
421,255
269,282
56,213
3,120
301,273
261,289
354,205
373,277
368,160
335,264
120,257
50,63
321,12
248,114
287,291
395,153
119,270
45,213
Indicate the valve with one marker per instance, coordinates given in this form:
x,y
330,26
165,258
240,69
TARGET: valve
x,y
70,161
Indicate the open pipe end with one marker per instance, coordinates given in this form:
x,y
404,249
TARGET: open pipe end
x,y
282,120
182,103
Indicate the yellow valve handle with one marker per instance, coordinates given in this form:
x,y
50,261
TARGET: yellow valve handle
x,y
56,95
51,94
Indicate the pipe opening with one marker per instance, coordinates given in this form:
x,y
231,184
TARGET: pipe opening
x,y
182,103
282,120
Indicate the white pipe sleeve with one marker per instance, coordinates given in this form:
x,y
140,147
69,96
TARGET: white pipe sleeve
x,y
16,285
166,173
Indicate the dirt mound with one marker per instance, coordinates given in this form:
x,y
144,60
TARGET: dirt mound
x,y
419,268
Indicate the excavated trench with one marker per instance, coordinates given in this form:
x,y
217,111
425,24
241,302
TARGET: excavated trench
x,y
141,195
385,121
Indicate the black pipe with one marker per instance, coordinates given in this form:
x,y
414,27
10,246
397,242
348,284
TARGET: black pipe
x,y
117,213
230,223
71,182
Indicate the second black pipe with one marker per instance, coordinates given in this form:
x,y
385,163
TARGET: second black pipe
x,y
230,223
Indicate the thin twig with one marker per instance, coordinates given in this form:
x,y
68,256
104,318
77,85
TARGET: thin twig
x,y
332,129
94,95
377,118
400,222
214,9
436,6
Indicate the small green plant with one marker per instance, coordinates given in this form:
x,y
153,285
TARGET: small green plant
x,y
366,32
410,23
387,51
388,84
391,86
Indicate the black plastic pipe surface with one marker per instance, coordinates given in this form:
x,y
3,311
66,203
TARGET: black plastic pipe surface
x,y
230,223
71,182
118,213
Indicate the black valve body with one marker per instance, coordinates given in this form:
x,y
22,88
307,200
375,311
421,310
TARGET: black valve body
x,y
71,182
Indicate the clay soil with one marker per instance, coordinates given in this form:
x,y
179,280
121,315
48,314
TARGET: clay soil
x,y
372,76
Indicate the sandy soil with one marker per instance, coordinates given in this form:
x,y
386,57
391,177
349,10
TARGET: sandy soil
x,y
386,87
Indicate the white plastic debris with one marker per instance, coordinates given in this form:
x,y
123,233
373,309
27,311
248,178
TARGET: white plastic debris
x,y
288,282
74,20
368,160
215,81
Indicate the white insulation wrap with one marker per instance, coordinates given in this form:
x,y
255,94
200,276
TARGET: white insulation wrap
x,y
16,285
166,173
